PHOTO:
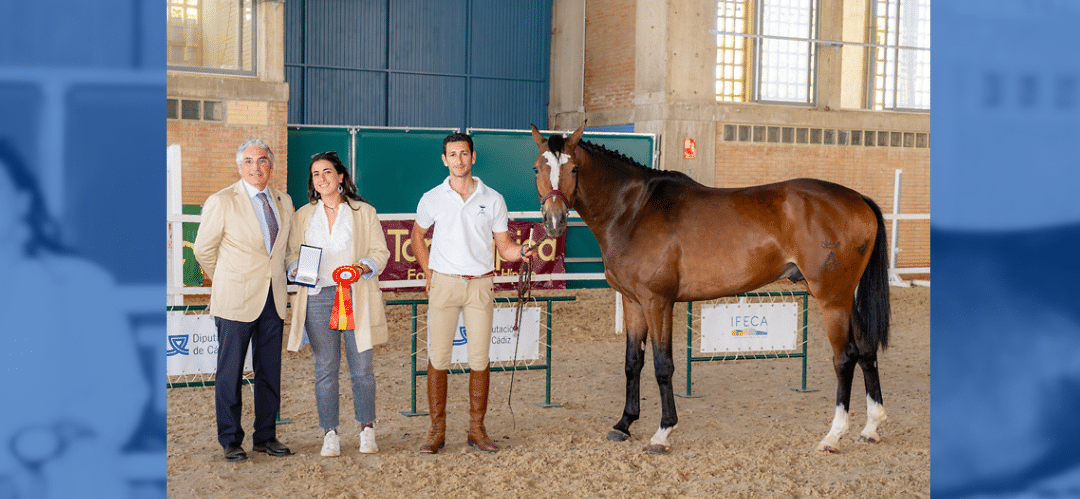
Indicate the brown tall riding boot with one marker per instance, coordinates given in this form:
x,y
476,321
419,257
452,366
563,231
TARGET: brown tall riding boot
x,y
436,393
478,397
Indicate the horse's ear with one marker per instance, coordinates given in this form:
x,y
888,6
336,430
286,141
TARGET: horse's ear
x,y
540,140
571,142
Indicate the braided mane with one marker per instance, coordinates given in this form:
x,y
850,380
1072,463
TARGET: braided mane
x,y
650,173
556,142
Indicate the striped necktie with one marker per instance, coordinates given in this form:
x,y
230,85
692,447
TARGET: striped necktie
x,y
271,222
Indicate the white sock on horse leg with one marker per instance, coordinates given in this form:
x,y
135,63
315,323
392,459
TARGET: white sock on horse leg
x,y
875,415
660,438
839,428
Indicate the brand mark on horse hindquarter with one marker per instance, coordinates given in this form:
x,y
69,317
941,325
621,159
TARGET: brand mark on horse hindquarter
x,y
832,263
862,249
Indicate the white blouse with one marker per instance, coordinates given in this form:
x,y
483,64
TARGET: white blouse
x,y
336,245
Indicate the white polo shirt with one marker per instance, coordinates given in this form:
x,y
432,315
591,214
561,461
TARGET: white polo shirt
x,y
463,241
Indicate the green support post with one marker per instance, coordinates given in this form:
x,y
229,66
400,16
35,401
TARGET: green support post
x,y
806,326
689,349
412,376
547,383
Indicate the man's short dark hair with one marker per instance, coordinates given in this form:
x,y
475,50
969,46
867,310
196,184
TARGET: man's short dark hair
x,y
457,137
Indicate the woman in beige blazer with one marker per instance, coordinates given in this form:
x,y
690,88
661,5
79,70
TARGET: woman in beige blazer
x,y
347,229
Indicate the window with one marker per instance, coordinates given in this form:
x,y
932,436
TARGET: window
x,y
900,76
211,36
731,83
194,110
765,51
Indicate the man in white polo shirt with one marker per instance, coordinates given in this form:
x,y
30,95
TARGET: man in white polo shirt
x,y
469,216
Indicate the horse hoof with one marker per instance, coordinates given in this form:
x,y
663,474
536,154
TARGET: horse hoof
x,y
656,449
869,440
828,449
617,436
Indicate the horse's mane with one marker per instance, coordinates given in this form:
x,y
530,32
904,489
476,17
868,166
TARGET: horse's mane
x,y
556,142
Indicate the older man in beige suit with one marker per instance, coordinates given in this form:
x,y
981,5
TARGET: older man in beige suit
x,y
241,246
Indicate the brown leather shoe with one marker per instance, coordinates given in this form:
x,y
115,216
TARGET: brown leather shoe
x,y
478,398
436,389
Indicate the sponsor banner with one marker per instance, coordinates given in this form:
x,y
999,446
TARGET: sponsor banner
x,y
743,327
403,266
503,337
191,345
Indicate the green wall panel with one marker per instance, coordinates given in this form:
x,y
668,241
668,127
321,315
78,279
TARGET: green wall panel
x,y
394,167
305,142
192,271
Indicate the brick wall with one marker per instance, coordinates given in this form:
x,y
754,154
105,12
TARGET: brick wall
x,y
867,169
208,148
609,54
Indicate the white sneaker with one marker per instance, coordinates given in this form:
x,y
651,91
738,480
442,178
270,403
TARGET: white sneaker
x,y
331,444
367,441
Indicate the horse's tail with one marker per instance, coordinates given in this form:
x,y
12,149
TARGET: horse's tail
x,y
871,311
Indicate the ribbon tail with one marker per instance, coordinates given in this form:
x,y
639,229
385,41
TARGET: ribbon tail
x,y
348,312
334,313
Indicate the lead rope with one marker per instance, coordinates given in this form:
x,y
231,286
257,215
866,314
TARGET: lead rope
x,y
524,294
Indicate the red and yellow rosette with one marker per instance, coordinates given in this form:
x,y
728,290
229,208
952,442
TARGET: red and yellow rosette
x,y
341,317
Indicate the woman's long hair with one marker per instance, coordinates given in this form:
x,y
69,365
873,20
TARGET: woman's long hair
x,y
348,188
44,230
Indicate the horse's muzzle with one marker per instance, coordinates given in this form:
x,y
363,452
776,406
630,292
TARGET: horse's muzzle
x,y
554,221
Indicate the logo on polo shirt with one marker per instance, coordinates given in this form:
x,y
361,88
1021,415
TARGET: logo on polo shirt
x,y
482,208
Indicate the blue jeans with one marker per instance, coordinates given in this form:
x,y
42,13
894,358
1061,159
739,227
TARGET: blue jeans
x,y
326,345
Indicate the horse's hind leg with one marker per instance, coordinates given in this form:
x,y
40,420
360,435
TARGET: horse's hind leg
x,y
875,409
845,356
636,330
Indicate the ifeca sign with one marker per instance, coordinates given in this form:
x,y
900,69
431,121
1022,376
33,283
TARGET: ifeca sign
x,y
503,337
749,327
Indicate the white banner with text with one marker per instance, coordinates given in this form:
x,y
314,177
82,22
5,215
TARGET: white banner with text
x,y
504,339
749,327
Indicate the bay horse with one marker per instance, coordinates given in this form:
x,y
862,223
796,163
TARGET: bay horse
x,y
666,238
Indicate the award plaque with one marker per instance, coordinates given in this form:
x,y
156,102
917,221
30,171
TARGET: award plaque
x,y
307,272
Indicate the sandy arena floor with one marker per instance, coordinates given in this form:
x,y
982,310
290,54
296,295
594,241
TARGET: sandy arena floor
x,y
748,435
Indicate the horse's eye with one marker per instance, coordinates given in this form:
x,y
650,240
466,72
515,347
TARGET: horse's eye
x,y
536,170
574,170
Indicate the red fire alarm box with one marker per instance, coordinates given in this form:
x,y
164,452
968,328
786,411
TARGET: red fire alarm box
x,y
689,149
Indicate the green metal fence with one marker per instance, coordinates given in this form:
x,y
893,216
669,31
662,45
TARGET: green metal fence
x,y
690,358
171,384
546,366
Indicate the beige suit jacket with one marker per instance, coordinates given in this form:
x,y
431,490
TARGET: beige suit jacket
x,y
369,313
230,248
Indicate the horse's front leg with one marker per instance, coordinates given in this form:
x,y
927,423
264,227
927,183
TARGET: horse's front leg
x,y
636,331
665,368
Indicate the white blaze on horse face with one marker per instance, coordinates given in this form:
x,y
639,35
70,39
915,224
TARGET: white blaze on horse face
x,y
555,163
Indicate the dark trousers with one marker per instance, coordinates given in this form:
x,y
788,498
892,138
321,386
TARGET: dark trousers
x,y
264,333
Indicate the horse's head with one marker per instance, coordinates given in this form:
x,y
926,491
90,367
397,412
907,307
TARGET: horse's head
x,y
556,178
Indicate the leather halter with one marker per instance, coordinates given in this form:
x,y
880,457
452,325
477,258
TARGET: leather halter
x,y
555,193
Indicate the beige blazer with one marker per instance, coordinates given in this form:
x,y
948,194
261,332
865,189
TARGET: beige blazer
x,y
230,248
369,313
